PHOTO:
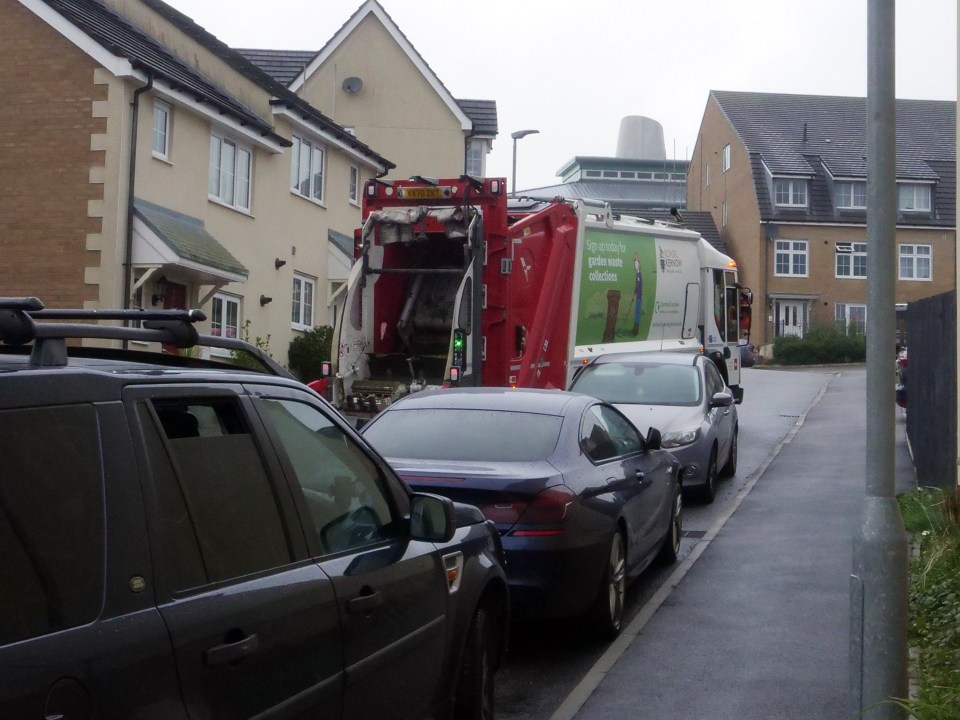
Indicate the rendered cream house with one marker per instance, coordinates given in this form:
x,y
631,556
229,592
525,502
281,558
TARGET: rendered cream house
x,y
228,203
370,79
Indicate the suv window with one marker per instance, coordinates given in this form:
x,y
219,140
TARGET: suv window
x,y
51,521
342,487
211,489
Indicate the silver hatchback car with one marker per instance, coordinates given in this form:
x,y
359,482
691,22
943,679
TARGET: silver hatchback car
x,y
684,397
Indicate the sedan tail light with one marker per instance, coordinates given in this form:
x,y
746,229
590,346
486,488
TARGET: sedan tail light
x,y
552,506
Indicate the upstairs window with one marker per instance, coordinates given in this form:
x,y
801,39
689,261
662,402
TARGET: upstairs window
x,y
725,159
790,193
230,172
353,191
791,258
852,195
916,262
913,197
306,169
161,130
851,260
706,176
475,153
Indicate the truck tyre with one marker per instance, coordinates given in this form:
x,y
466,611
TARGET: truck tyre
x,y
608,607
475,687
730,468
670,550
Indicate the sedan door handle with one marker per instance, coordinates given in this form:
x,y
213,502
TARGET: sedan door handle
x,y
231,652
365,604
642,479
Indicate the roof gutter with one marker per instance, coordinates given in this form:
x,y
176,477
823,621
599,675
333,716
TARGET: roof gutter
x,y
131,185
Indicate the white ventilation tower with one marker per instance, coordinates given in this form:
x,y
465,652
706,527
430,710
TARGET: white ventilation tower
x,y
641,138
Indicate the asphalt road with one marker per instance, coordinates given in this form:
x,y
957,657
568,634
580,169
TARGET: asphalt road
x,y
547,661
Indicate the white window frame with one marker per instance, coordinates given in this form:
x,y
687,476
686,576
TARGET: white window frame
x,y
162,113
914,197
847,195
231,172
842,316
706,177
857,253
724,213
795,188
916,256
353,193
725,158
475,152
308,171
303,302
220,305
792,250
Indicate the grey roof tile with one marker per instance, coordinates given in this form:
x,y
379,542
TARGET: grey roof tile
x,y
187,237
120,37
483,113
282,65
818,136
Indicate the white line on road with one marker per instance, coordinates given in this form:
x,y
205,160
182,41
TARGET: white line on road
x,y
579,695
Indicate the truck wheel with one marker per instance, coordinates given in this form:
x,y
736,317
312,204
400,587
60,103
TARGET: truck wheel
x,y
670,550
608,607
730,468
475,686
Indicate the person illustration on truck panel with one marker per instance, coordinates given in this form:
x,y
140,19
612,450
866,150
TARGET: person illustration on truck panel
x,y
638,295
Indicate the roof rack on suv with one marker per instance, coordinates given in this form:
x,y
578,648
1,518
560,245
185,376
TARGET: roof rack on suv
x,y
24,320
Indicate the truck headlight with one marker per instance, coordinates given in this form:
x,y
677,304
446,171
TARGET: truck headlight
x,y
679,438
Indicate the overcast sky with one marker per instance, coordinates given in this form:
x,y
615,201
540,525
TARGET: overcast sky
x,y
573,68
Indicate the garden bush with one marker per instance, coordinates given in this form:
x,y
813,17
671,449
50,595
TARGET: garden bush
x,y
309,351
820,346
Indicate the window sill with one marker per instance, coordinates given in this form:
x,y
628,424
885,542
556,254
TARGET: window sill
x,y
221,203
312,201
929,279
301,328
165,159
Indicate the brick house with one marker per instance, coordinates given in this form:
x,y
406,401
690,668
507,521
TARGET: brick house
x,y
233,196
785,177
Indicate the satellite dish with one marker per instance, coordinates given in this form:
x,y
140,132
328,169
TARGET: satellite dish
x,y
352,85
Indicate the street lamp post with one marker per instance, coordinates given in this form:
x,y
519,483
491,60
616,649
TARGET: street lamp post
x,y
516,136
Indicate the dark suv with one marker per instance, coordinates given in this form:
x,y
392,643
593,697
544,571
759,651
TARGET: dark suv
x,y
182,538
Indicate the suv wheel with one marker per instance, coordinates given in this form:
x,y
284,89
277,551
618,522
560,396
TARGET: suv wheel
x,y
475,687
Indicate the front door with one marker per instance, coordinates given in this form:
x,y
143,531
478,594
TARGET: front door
x,y
790,318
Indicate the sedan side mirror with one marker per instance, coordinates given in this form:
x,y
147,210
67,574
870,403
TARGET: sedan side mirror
x,y
654,440
432,518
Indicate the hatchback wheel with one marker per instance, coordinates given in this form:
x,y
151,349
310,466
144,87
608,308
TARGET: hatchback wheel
x,y
709,490
730,469
670,550
608,609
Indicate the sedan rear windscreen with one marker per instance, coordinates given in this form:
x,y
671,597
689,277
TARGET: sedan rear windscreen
x,y
488,435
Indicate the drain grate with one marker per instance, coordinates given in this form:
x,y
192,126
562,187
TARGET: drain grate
x,y
694,533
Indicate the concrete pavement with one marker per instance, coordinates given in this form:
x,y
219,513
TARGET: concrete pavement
x,y
757,625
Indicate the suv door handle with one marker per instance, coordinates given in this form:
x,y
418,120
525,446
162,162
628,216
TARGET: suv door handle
x,y
230,652
365,604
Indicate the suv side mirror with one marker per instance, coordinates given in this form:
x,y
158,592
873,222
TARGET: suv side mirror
x,y
432,518
722,399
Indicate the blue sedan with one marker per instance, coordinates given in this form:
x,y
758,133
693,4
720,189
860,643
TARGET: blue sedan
x,y
583,502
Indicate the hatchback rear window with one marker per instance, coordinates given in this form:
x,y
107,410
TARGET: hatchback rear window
x,y
447,434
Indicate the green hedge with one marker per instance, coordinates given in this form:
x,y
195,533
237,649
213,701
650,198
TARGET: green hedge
x,y
309,351
820,346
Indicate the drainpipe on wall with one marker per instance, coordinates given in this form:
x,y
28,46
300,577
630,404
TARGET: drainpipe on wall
x,y
131,182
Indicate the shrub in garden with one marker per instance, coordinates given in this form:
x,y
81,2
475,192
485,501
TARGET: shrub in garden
x,y
820,345
308,352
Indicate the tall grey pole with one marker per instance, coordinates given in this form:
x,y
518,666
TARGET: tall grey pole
x,y
878,597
